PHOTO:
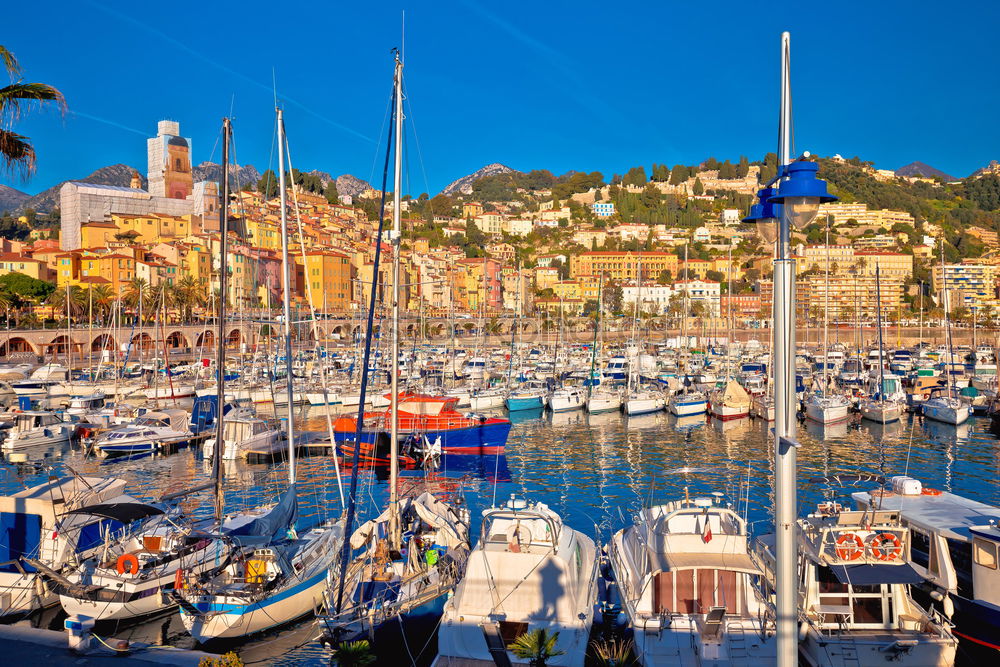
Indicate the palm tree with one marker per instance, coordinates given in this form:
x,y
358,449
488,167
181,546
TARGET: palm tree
x,y
77,300
353,654
16,152
537,647
136,292
190,293
102,297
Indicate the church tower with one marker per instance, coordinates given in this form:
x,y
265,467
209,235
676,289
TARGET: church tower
x,y
136,182
169,162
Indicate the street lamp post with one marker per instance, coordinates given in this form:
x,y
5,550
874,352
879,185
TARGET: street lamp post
x,y
795,202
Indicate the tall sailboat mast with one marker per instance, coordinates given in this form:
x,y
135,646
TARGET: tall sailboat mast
x,y
220,357
286,307
397,184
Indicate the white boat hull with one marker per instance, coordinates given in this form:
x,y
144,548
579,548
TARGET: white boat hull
x,y
826,414
642,406
241,619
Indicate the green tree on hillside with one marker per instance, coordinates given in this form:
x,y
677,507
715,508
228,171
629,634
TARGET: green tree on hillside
x,y
268,185
678,174
331,193
635,176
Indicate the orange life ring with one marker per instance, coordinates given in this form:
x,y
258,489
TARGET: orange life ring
x,y
179,579
877,546
849,547
927,491
128,559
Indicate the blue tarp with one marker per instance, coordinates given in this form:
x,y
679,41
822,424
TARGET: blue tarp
x,y
273,526
20,535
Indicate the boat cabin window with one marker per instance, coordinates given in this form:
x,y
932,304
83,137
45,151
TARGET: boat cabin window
x,y
696,591
922,550
869,604
961,558
984,552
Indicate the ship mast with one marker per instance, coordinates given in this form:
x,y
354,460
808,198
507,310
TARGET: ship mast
x,y
397,183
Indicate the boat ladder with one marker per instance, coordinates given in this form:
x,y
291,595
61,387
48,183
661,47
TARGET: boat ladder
x,y
737,642
494,642
849,651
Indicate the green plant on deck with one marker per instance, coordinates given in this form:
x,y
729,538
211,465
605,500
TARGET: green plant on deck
x,y
536,646
225,660
353,654
612,653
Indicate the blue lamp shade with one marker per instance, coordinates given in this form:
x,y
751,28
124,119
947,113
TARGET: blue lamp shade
x,y
802,193
764,209
801,181
765,214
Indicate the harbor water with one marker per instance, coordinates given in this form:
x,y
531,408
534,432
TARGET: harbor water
x,y
597,471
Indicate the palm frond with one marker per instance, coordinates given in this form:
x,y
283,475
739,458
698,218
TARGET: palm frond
x,y
17,156
9,62
18,97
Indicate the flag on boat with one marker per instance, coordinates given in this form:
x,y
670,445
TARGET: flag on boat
x,y
706,535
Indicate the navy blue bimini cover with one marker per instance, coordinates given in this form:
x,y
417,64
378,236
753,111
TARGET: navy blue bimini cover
x,y
871,575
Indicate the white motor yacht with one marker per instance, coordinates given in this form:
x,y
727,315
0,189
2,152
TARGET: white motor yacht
x,y
35,428
528,571
855,595
149,433
687,586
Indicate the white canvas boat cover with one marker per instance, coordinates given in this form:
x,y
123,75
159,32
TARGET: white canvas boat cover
x,y
735,394
430,510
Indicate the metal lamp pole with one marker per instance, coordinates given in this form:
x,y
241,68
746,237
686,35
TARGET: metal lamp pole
x,y
794,202
785,502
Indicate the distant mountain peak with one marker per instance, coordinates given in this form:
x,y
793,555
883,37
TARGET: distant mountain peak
x,y
11,199
238,176
464,184
925,170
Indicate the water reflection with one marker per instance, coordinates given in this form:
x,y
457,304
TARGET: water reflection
x,y
596,470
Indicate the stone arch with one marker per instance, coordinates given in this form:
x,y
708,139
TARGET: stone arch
x,y
529,327
177,339
234,338
338,331
17,345
411,330
356,331
436,329
142,341
103,342
205,339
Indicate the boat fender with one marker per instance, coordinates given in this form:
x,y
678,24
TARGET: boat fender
x,y
927,491
849,547
128,564
179,579
885,546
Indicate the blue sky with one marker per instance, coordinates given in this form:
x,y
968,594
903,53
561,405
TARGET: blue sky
x,y
557,85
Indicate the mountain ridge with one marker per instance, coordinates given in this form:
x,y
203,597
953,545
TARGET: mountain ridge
x,y
464,184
